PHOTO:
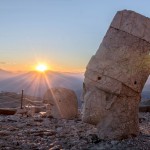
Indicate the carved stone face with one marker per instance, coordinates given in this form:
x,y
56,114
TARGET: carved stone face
x,y
115,77
111,113
94,108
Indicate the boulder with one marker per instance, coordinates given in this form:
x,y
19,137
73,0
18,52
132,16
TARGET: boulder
x,y
61,103
115,77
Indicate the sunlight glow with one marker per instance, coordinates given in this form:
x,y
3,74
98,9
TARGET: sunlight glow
x,y
41,68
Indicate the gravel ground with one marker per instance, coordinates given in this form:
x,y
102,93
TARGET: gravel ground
x,y
37,133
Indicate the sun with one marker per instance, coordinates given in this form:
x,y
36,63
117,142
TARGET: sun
x,y
41,68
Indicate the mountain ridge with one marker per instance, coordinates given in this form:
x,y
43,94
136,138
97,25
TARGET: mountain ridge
x,y
36,84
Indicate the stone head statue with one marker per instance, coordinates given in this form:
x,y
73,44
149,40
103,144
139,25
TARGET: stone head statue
x,y
115,77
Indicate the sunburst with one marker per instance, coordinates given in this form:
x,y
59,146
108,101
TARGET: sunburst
x,y
41,68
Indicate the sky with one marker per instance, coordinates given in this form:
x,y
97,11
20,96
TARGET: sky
x,y
63,34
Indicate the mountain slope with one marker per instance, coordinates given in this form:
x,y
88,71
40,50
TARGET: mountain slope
x,y
36,84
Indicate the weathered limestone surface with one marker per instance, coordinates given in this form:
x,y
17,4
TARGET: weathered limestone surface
x,y
115,77
62,103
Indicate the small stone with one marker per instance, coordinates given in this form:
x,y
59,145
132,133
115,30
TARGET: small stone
x,y
4,133
94,138
43,114
13,118
59,129
114,142
56,147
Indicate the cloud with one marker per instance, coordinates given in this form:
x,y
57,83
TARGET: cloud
x,y
3,63
7,63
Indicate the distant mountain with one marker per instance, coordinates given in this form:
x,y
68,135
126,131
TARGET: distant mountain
x,y
36,84
5,74
4,71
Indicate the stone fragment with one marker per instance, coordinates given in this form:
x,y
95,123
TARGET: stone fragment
x,y
36,109
27,111
42,114
62,103
21,111
4,133
13,118
115,77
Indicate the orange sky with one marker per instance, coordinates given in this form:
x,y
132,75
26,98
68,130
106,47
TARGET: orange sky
x,y
31,66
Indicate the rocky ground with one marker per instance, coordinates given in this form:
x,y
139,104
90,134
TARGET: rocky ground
x,y
37,133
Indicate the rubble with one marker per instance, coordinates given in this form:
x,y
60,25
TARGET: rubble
x,y
28,133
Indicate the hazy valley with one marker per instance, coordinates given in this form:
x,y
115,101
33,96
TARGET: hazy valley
x,y
36,84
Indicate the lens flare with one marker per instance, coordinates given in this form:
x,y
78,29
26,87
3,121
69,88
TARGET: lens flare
x,y
41,68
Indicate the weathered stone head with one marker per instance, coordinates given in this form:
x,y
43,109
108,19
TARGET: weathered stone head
x,y
115,77
62,103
